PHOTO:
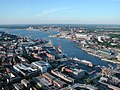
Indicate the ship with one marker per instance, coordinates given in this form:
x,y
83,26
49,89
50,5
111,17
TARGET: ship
x,y
87,63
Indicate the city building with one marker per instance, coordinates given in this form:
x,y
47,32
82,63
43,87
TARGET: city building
x,y
118,56
26,84
62,76
81,36
54,80
43,66
26,69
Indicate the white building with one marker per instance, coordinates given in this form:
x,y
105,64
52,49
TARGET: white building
x,y
100,39
25,67
118,56
43,66
83,36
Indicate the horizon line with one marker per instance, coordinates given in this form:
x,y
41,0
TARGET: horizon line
x,y
60,24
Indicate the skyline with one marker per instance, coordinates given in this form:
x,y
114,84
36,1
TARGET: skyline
x,y
59,12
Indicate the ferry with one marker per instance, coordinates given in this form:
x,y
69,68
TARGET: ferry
x,y
87,62
84,62
76,59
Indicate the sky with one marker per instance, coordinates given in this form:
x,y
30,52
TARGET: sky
x,y
59,11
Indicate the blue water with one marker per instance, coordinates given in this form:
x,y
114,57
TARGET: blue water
x,y
68,46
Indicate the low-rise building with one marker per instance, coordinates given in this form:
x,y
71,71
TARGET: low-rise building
x,y
107,86
118,56
81,36
43,66
18,86
26,84
26,69
75,73
54,80
42,82
62,76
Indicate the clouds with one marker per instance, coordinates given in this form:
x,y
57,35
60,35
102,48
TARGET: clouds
x,y
24,10
59,11
52,11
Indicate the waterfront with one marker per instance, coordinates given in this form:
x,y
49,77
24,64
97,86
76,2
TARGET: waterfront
x,y
68,46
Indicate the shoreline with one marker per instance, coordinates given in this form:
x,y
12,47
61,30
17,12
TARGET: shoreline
x,y
93,54
115,62
104,59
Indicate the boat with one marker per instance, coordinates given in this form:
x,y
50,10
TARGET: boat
x,y
59,49
87,62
